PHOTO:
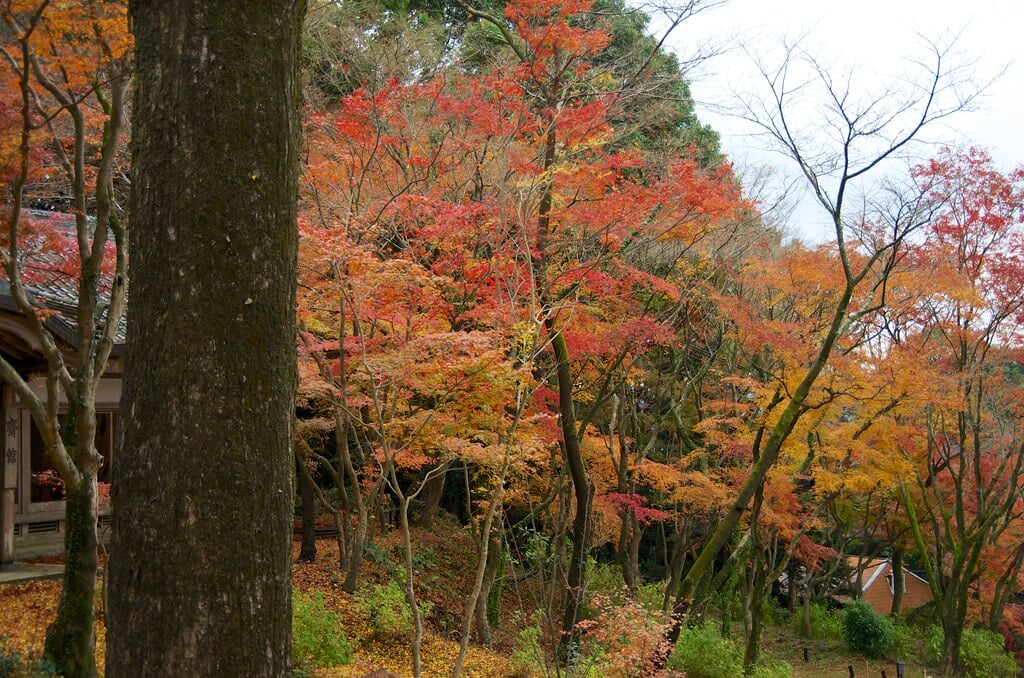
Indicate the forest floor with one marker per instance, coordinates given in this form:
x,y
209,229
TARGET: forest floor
x,y
444,566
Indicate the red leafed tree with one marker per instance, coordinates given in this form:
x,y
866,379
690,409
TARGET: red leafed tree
x,y
511,189
588,202
410,305
64,73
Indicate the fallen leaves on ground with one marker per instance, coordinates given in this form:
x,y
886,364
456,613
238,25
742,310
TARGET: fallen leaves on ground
x,y
27,608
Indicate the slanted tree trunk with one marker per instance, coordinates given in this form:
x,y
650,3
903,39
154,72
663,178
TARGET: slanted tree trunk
x,y
754,584
200,561
477,596
583,490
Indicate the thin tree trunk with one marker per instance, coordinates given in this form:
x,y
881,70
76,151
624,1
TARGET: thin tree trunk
x,y
805,615
341,535
792,572
757,573
488,606
307,491
483,557
753,622
583,491
410,584
680,545
71,638
629,552
898,584
360,535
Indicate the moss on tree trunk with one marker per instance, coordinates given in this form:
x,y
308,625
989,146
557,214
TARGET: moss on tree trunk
x,y
200,563
71,638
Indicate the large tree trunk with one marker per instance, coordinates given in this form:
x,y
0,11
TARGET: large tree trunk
x,y
432,495
200,569
951,664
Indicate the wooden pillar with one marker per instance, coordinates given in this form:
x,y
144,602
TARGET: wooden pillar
x,y
9,480
7,527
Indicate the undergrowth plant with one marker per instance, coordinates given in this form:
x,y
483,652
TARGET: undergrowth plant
x,y
824,623
387,610
14,664
318,637
528,656
702,652
982,653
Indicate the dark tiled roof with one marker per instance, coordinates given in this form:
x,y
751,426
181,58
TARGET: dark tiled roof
x,y
57,293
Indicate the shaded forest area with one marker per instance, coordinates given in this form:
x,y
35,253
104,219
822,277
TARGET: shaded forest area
x,y
540,312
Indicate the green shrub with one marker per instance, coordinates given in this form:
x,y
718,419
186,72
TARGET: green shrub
x,y
377,554
387,610
933,642
902,642
651,595
774,614
772,668
865,632
702,652
982,653
605,579
317,635
824,624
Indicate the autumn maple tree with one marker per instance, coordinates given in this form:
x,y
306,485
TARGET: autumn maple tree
x,y
530,222
65,74
954,331
407,322
590,201
852,145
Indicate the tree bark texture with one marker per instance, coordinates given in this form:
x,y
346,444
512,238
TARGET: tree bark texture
x,y
583,490
898,585
307,492
71,638
200,565
432,495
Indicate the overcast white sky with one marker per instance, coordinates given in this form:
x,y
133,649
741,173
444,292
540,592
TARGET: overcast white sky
x,y
870,37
